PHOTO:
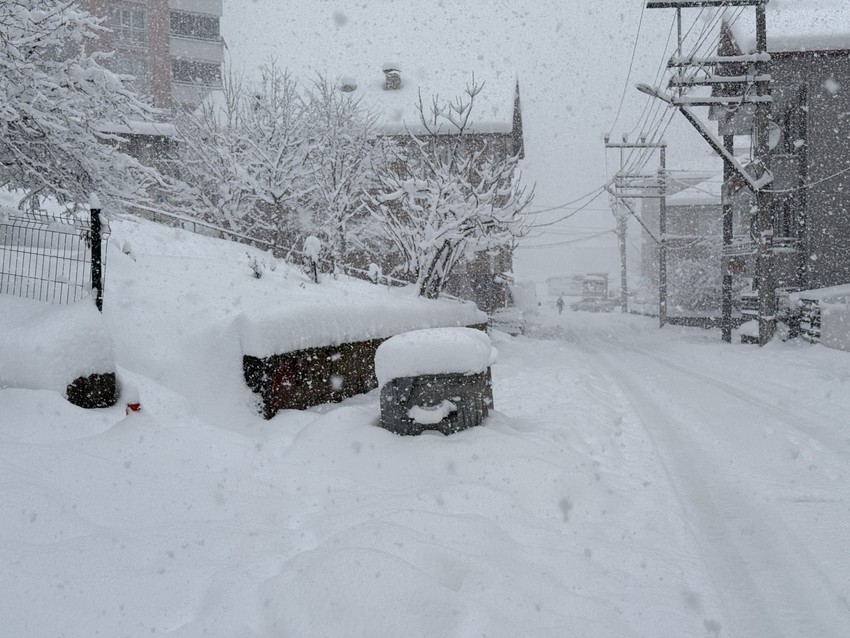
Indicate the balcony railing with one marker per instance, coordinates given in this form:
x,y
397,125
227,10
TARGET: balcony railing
x,y
739,248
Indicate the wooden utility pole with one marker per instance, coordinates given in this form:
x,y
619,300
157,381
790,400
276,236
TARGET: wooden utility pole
x,y
708,72
728,233
662,237
764,263
626,188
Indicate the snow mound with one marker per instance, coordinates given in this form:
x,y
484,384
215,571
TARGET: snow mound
x,y
45,346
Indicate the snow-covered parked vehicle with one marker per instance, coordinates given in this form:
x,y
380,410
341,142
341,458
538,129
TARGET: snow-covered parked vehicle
x,y
435,379
510,320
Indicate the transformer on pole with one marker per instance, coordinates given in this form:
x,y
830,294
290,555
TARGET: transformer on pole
x,y
757,177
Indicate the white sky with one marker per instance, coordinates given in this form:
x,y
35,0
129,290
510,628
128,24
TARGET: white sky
x,y
571,59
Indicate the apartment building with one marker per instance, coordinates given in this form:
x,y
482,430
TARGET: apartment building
x,y
172,48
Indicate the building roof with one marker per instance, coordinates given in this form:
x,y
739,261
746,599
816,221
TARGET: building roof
x,y
397,109
353,42
798,26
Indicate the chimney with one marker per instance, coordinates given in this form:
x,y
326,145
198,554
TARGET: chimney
x,y
392,76
347,84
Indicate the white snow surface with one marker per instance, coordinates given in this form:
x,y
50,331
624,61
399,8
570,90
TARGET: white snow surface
x,y
433,351
634,482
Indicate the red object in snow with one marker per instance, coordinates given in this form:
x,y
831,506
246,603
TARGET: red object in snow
x,y
133,407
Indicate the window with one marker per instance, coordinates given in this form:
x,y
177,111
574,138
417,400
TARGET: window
x,y
194,25
193,72
128,26
137,67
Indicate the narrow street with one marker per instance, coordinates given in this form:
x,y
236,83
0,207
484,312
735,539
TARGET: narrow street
x,y
754,469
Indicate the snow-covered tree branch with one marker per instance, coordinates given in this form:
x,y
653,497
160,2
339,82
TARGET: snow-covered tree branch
x,y
342,157
58,106
277,163
244,156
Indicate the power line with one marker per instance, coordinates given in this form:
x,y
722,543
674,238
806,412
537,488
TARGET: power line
x,y
575,212
595,191
565,243
631,66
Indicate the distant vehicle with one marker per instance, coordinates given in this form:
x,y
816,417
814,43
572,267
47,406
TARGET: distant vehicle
x,y
594,294
510,320
565,285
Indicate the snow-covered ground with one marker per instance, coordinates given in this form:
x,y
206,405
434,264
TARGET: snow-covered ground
x,y
631,482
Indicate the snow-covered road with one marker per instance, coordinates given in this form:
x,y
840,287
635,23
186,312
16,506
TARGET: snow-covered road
x,y
751,456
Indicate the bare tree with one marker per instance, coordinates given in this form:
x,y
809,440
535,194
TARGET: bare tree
x,y
342,156
244,157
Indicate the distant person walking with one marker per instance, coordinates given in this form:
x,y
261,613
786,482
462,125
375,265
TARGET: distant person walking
x,y
560,304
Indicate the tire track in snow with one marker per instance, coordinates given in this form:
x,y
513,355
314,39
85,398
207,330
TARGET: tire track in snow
x,y
795,420
768,583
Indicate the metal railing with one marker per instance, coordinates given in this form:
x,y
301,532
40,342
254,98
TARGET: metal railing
x,y
49,257
744,248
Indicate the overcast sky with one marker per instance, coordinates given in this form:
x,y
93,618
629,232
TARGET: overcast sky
x,y
571,59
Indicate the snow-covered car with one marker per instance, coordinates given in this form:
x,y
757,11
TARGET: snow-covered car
x,y
509,320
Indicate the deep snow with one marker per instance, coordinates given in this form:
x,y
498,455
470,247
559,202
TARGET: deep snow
x,y
631,482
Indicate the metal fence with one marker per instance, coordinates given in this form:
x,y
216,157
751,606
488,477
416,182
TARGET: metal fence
x,y
50,257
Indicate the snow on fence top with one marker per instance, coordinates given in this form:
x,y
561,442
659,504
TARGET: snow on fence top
x,y
798,26
434,351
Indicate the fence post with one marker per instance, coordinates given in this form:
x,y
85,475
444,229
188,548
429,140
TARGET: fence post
x,y
96,259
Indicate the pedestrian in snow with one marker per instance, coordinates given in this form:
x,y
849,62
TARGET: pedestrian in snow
x,y
560,303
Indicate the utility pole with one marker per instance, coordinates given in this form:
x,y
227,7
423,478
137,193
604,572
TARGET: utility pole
x,y
709,72
662,237
635,185
728,232
621,213
764,263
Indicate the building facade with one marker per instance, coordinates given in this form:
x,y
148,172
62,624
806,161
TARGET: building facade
x,y
810,149
172,48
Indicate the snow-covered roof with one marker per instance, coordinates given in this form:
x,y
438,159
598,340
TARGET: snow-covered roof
x,y
396,109
359,43
798,26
